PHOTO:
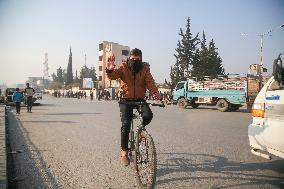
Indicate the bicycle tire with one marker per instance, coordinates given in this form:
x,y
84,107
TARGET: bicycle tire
x,y
144,139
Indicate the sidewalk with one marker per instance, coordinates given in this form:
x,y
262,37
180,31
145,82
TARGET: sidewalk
x,y
3,158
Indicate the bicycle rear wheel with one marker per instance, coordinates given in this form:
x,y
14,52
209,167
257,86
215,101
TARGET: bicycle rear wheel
x,y
145,160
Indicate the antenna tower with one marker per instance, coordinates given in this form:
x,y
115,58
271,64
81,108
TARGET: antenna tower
x,y
45,67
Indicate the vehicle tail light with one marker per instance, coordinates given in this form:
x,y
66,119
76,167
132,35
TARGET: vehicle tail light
x,y
258,110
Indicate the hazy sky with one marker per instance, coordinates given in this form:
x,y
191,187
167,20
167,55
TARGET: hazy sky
x,y
29,28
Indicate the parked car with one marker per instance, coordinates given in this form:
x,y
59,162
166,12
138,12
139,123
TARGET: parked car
x,y
2,99
38,95
8,100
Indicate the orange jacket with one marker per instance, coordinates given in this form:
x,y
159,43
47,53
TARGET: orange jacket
x,y
134,86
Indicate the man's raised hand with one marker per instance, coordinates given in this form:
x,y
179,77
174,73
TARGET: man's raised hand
x,y
110,62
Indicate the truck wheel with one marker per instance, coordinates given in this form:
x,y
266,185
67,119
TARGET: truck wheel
x,y
223,105
182,103
194,105
234,107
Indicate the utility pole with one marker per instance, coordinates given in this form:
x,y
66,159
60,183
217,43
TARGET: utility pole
x,y
260,68
261,51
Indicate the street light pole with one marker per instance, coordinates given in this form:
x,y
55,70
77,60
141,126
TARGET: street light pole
x,y
261,51
261,44
259,72
261,41
261,62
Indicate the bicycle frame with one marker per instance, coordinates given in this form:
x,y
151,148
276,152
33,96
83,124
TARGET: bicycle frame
x,y
133,133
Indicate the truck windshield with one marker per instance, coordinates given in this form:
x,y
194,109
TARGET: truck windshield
x,y
180,86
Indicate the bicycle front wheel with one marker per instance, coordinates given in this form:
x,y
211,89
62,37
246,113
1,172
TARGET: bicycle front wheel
x,y
145,160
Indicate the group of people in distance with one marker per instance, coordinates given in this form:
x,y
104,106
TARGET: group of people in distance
x,y
69,94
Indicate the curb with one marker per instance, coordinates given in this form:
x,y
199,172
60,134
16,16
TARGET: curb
x,y
3,154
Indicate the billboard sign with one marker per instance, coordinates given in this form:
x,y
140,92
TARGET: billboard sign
x,y
87,83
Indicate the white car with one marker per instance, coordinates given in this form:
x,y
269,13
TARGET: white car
x,y
38,95
266,132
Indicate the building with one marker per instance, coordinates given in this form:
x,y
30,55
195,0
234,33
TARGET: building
x,y
106,49
34,81
38,82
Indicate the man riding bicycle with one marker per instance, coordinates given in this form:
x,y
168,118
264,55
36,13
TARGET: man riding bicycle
x,y
135,79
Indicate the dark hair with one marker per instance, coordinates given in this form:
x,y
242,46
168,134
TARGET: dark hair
x,y
17,89
136,52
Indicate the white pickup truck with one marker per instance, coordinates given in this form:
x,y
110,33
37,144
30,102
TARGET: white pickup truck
x,y
266,132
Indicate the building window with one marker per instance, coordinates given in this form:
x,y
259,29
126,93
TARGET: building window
x,y
100,68
101,46
100,58
125,52
100,78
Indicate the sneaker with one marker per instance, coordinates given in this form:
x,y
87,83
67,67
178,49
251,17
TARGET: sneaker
x,y
124,157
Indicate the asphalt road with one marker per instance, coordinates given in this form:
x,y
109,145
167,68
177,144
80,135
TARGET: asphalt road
x,y
71,143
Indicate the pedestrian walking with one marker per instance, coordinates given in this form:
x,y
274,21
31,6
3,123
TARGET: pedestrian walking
x,y
101,94
17,99
29,92
107,95
92,95
85,94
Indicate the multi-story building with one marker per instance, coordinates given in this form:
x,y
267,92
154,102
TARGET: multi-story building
x,y
106,49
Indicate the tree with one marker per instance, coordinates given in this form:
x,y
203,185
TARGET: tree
x,y
64,76
84,73
55,86
207,60
175,76
54,77
93,74
87,73
69,79
214,61
199,67
186,50
185,54
76,80
60,75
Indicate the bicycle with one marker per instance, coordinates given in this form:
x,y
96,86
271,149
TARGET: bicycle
x,y
142,145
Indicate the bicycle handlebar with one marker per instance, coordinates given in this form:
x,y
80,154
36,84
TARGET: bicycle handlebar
x,y
140,103
160,105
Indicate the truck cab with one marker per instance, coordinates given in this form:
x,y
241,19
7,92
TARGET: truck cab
x,y
179,91
181,96
265,133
